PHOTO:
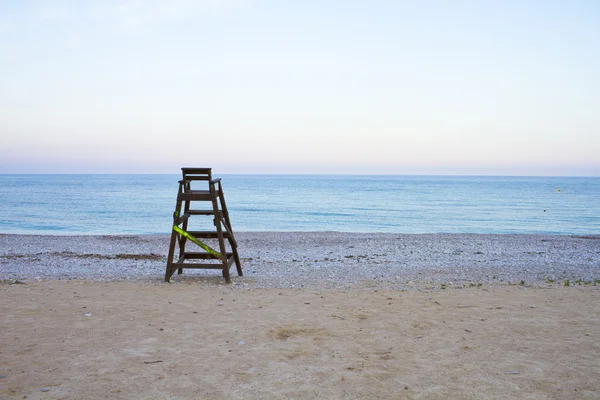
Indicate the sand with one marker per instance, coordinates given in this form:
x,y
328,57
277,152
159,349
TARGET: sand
x,y
80,339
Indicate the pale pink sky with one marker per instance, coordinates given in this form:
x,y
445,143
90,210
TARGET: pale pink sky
x,y
431,87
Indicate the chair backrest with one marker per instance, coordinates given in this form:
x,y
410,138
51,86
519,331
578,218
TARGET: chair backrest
x,y
196,174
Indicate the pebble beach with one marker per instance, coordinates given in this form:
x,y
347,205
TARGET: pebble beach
x,y
317,259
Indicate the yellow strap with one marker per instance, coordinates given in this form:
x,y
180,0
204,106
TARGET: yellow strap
x,y
198,242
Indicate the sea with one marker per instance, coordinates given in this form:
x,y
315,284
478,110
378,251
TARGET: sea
x,y
144,204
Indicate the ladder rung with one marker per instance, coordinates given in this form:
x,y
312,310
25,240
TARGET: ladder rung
x,y
198,266
198,195
196,255
201,212
194,191
208,234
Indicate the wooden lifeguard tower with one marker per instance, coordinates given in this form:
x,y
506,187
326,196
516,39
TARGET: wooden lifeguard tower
x,y
212,205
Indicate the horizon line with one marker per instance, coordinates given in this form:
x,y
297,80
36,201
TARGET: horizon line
x,y
318,174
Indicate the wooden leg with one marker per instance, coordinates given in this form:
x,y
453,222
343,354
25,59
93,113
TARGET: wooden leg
x,y
227,223
238,264
186,208
226,274
169,271
217,222
175,238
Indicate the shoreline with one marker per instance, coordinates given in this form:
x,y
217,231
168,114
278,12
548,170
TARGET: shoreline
x,y
114,235
318,259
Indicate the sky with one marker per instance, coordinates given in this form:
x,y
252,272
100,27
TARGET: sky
x,y
350,87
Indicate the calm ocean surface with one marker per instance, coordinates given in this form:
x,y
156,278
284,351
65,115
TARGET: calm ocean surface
x,y
135,204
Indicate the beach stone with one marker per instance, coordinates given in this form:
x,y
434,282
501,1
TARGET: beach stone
x,y
44,389
411,261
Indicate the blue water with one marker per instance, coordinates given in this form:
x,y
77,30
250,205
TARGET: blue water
x,y
134,204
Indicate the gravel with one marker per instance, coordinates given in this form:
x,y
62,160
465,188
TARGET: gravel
x,y
316,259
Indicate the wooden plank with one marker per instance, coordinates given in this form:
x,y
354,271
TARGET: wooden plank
x,y
227,232
201,212
196,191
198,196
169,271
198,266
175,239
238,263
182,219
220,233
183,241
195,170
196,255
207,234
